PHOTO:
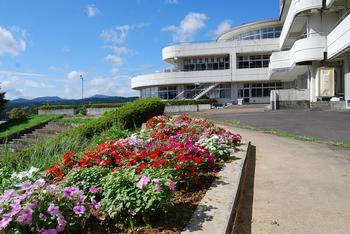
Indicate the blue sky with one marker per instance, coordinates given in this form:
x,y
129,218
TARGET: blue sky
x,y
46,45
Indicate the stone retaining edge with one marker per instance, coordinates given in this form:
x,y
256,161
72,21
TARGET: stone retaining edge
x,y
217,211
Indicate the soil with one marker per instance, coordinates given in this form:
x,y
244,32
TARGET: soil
x,y
184,203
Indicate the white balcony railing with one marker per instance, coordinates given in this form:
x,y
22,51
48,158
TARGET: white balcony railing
x,y
296,7
339,38
307,49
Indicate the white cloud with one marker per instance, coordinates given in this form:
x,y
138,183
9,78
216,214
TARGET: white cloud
x,y
119,34
114,86
188,27
11,45
114,59
222,27
35,84
171,1
119,50
75,74
92,10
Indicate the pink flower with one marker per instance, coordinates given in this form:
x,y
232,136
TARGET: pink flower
x,y
96,205
93,190
39,183
25,217
70,191
53,210
143,182
4,222
61,223
171,185
157,187
50,231
78,210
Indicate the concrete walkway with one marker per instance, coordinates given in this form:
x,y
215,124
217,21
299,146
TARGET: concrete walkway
x,y
298,187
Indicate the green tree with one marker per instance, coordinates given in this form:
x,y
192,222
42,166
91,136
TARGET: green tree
x,y
3,101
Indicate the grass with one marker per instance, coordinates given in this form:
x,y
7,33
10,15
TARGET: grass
x,y
31,122
281,133
77,120
47,151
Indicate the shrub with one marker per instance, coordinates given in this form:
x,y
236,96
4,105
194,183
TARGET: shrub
x,y
17,114
105,105
55,107
129,197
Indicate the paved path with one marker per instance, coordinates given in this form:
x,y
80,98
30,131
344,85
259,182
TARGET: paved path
x,y
299,187
325,125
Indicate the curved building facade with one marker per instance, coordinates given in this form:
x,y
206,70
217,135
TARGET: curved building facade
x,y
311,38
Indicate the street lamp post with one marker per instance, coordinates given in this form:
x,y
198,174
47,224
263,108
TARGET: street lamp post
x,y
82,87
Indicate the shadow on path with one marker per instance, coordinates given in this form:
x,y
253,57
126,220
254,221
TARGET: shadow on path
x,y
243,221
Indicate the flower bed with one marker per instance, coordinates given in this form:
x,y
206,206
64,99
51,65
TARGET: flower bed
x,y
125,184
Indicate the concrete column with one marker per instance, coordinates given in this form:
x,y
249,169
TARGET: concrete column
x,y
314,24
233,64
347,79
313,83
234,92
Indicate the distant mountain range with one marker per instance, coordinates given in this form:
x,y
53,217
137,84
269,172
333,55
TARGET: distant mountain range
x,y
54,100
50,99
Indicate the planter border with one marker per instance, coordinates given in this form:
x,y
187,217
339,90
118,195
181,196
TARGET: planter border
x,y
217,211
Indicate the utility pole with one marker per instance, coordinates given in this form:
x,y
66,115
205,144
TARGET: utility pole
x,y
82,87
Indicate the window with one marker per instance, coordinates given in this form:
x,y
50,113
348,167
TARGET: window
x,y
206,63
253,61
263,33
167,92
261,89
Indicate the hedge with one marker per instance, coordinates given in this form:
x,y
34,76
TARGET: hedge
x,y
105,105
129,116
188,102
55,107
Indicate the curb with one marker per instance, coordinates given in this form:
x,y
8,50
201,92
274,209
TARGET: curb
x,y
217,211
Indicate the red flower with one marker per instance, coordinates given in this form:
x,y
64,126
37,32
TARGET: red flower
x,y
198,160
104,163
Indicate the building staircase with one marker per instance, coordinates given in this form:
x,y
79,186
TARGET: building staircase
x,y
205,91
197,92
26,140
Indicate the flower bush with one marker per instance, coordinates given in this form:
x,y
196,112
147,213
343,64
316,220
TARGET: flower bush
x,y
41,208
127,180
130,197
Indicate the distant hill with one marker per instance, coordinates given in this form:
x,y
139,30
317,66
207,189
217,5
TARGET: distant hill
x,y
36,102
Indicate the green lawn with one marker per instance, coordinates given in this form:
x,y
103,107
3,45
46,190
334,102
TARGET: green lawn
x,y
31,122
77,120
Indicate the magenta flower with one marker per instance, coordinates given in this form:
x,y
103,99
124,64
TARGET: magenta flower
x,y
171,185
4,222
143,182
78,210
93,190
53,210
25,216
